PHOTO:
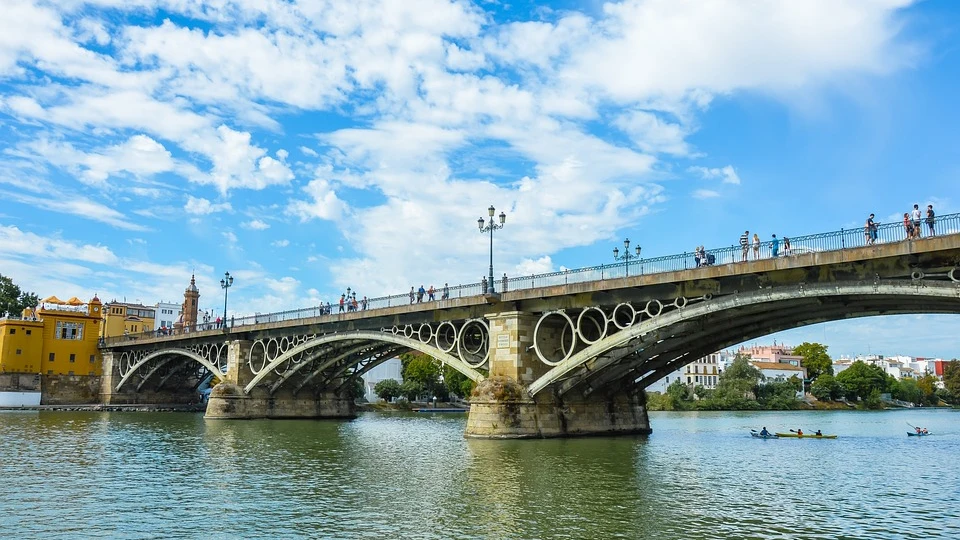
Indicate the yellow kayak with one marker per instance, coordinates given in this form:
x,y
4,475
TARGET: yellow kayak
x,y
806,436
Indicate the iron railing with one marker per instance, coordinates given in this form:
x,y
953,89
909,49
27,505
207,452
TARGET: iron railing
x,y
820,242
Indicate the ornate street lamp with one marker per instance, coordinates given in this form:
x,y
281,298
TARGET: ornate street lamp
x,y
491,227
626,255
225,284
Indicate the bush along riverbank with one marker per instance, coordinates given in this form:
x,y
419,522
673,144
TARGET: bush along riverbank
x,y
862,386
740,388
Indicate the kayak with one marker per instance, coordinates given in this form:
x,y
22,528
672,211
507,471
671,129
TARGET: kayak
x,y
915,434
806,436
759,436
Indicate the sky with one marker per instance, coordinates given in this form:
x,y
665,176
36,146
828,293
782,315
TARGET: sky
x,y
310,146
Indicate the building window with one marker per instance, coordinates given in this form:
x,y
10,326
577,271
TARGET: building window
x,y
73,358
69,373
18,351
69,330
29,332
13,330
93,358
49,372
52,356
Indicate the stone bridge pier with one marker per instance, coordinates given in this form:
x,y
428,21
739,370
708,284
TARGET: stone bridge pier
x,y
502,407
233,398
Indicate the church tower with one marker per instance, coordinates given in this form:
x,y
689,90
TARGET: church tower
x,y
191,298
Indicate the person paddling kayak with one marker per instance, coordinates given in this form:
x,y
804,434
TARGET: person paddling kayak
x,y
764,431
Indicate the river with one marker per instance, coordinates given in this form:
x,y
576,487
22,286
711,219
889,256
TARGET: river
x,y
699,475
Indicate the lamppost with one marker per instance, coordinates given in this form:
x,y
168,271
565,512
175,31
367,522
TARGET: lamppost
x,y
626,255
225,284
491,227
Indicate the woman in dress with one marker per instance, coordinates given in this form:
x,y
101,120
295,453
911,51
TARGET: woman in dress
x,y
756,246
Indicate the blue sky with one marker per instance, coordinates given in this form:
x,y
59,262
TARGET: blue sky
x,y
311,146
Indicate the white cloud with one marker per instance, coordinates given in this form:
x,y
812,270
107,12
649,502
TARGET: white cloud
x,y
324,204
200,207
309,151
256,225
229,237
727,174
705,194
280,243
527,267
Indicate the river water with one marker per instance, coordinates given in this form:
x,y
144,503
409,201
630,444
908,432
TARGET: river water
x,y
699,475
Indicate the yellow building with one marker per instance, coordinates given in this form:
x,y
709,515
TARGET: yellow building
x,y
58,338
121,318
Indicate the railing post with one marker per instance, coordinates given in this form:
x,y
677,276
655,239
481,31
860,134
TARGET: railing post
x,y
843,244
601,271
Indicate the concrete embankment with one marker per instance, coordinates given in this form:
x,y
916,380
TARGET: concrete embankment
x,y
195,407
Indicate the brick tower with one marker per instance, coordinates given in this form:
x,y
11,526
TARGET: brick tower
x,y
191,298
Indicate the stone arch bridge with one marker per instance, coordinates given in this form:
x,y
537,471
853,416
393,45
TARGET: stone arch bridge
x,y
549,361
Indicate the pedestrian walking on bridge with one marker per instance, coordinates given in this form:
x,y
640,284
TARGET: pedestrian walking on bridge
x,y
744,245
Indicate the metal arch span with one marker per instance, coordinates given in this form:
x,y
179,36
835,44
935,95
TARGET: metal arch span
x,y
772,296
181,352
371,336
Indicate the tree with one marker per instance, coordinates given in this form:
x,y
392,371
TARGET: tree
x,y
815,359
355,389
951,377
13,300
457,383
928,388
387,389
826,388
908,390
411,390
737,387
860,379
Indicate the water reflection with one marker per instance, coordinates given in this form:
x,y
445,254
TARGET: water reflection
x,y
141,475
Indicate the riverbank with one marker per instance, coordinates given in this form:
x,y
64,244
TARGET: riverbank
x,y
141,407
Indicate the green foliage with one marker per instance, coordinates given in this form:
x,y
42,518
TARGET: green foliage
x,y
861,379
457,383
13,300
872,401
678,391
928,387
815,359
412,390
826,388
354,389
388,389
951,377
908,390
425,371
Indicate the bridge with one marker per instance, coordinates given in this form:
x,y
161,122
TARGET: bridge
x,y
561,354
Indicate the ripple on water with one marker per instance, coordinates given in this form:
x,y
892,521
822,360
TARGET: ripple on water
x,y
141,475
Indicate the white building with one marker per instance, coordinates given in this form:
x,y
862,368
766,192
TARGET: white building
x,y
387,370
704,372
167,314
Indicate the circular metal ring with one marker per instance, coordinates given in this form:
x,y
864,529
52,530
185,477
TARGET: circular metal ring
x,y
708,296
395,330
659,306
916,274
273,349
461,346
408,331
954,275
680,302
567,351
429,334
601,331
254,369
620,315
284,344
447,337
